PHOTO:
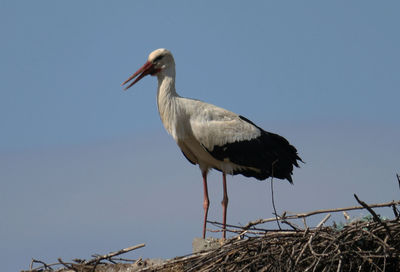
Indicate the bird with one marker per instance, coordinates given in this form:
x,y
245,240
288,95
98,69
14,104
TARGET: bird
x,y
215,138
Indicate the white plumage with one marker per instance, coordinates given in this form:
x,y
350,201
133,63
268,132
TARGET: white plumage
x,y
213,137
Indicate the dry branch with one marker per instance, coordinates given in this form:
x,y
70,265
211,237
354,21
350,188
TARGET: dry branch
x,y
303,215
375,216
113,254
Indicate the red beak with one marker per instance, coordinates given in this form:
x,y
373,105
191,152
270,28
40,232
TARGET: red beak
x,y
146,69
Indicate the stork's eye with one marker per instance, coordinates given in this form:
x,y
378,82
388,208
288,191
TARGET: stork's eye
x,y
158,58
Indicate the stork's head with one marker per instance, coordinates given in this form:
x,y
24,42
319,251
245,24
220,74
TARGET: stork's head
x,y
158,61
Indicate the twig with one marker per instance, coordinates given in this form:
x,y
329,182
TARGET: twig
x,y
305,222
123,260
45,265
273,202
395,211
236,227
112,254
398,179
272,194
69,266
302,215
320,224
292,225
374,215
339,267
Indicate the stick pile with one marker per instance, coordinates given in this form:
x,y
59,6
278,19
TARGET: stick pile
x,y
361,246
368,244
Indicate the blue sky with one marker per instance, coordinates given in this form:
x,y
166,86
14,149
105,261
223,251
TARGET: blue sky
x,y
88,168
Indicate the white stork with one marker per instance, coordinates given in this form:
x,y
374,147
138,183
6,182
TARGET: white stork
x,y
213,137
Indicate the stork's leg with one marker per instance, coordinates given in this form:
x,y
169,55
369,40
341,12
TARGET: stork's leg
x,y
206,202
224,205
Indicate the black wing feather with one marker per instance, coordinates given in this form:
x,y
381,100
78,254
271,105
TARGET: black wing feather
x,y
270,153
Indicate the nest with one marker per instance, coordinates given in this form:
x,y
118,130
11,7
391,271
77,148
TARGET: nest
x,y
368,244
360,246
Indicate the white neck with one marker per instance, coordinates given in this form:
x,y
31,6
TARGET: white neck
x,y
166,83
168,106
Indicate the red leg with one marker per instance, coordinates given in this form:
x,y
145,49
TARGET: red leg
x,y
224,205
206,203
